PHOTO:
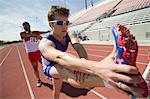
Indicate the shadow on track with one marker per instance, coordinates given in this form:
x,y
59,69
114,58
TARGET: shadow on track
x,y
69,90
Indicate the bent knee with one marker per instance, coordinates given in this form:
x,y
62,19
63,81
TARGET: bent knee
x,y
54,73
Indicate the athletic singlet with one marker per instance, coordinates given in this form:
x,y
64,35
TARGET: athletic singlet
x,y
31,43
58,45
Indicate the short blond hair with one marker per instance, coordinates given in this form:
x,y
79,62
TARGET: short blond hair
x,y
57,10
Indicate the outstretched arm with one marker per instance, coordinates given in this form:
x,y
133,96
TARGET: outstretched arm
x,y
40,32
48,50
74,63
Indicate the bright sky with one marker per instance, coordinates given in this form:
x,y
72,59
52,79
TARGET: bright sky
x,y
14,12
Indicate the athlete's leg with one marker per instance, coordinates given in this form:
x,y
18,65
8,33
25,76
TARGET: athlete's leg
x,y
34,57
61,74
57,84
35,67
68,76
38,54
36,72
51,71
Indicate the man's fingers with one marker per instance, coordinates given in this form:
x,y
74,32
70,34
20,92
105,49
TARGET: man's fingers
x,y
132,89
125,69
124,78
128,78
116,86
123,87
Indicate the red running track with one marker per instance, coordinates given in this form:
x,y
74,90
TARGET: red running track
x,y
17,80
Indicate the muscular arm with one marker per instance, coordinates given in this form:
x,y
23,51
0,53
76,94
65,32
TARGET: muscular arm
x,y
77,46
65,59
80,50
74,63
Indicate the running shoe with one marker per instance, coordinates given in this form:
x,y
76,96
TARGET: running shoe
x,y
127,49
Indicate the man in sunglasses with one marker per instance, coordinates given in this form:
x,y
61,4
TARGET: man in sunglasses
x,y
62,66
31,41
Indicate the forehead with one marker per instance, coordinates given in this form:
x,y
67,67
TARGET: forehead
x,y
26,24
60,17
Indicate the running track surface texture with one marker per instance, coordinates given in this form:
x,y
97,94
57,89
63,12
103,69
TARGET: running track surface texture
x,y
17,80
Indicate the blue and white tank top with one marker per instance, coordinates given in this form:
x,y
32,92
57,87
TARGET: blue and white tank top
x,y
59,46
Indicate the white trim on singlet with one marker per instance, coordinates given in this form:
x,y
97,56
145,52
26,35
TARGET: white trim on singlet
x,y
31,44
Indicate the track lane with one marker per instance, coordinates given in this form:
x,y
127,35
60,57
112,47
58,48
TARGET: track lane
x,y
25,75
12,80
3,53
40,93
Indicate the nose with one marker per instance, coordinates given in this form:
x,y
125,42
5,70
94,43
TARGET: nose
x,y
64,26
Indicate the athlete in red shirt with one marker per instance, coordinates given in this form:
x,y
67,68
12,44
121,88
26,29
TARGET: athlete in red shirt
x,y
31,41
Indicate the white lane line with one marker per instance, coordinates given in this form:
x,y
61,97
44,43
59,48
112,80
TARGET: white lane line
x,y
146,72
141,63
25,75
5,57
97,94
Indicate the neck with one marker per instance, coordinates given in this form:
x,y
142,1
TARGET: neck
x,y
27,31
58,37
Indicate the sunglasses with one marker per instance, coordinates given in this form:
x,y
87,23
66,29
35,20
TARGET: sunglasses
x,y
61,23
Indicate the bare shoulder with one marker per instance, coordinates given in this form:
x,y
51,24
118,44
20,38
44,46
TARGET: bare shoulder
x,y
45,43
21,33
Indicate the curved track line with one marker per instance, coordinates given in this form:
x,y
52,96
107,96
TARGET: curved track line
x,y
5,57
25,75
141,63
97,94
